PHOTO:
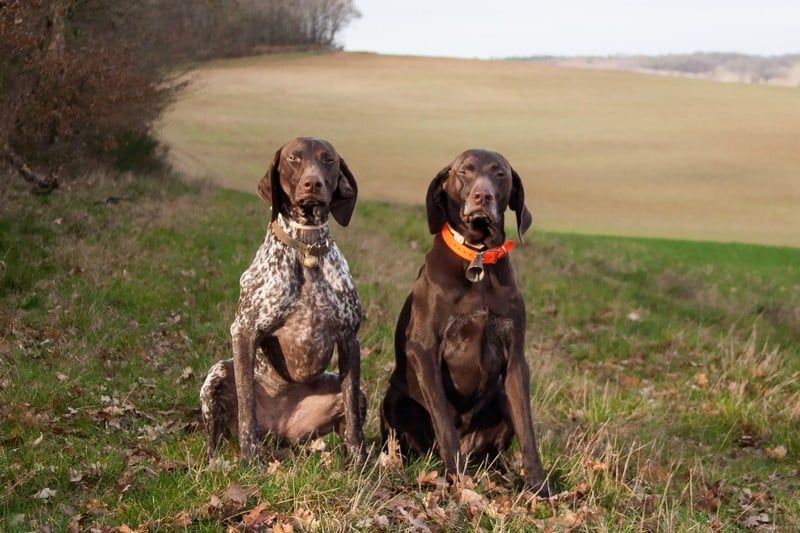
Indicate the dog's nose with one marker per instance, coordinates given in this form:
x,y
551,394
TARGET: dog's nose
x,y
482,196
311,183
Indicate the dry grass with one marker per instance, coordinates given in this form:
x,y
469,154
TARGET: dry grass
x,y
600,152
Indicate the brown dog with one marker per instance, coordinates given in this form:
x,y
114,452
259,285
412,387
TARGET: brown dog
x,y
461,382
297,302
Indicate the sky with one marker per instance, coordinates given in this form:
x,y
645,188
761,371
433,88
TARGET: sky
x,y
504,28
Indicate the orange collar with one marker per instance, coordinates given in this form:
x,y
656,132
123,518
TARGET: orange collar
x,y
468,253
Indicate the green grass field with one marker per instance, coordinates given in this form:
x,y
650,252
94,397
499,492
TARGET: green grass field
x,y
666,375
601,152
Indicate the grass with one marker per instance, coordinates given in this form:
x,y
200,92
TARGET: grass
x,y
600,152
666,375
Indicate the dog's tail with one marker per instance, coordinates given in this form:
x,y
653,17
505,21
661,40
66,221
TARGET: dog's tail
x,y
215,403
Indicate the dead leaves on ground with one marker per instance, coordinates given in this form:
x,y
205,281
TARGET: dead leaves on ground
x,y
440,506
391,458
236,510
752,505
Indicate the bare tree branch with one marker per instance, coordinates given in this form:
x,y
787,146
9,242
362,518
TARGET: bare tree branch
x,y
42,184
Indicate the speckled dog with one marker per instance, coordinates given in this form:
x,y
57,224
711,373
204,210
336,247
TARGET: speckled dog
x,y
297,301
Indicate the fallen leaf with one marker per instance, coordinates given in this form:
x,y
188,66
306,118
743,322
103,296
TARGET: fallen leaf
x,y
391,459
748,441
61,377
45,494
430,478
701,380
381,521
258,516
237,494
417,522
184,518
401,501
501,506
709,500
185,374
213,508
305,520
38,440
634,316
273,466
282,528
75,524
569,520
93,504
596,465
317,445
753,521
471,498
778,452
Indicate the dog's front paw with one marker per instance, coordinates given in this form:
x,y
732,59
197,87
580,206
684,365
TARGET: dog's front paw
x,y
540,488
249,452
358,453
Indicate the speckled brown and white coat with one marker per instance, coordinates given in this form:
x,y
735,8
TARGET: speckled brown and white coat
x,y
290,317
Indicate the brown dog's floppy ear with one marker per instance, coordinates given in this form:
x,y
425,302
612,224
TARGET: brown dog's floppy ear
x,y
344,197
434,202
269,188
517,204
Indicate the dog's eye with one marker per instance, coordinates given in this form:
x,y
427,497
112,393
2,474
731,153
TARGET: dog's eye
x,y
294,158
500,174
328,159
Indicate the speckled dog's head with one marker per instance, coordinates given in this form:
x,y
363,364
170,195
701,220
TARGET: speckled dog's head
x,y
307,180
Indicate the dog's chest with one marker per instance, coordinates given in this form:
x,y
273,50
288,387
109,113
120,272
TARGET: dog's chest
x,y
325,304
307,309
474,349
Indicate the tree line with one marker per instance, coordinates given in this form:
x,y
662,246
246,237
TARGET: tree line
x,y
84,80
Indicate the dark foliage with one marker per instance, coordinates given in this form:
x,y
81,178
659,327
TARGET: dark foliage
x,y
84,80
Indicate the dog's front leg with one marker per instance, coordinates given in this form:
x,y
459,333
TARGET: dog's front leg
x,y
350,377
517,388
427,366
244,353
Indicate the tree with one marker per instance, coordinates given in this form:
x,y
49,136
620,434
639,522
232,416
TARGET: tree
x,y
76,76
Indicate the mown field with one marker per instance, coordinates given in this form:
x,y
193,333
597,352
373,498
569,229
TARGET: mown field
x,y
601,152
666,376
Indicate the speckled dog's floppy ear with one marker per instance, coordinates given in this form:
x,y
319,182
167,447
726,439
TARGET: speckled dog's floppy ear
x,y
344,197
269,188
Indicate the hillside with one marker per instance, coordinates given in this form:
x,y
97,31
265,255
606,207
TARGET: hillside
x,y
600,152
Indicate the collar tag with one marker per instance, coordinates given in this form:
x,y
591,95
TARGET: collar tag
x,y
475,271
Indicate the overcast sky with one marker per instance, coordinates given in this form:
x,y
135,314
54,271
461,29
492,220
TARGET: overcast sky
x,y
502,28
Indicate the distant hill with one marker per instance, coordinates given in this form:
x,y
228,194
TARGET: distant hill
x,y
600,151
781,70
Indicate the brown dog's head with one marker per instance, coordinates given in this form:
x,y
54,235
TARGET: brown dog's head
x,y
472,194
307,180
